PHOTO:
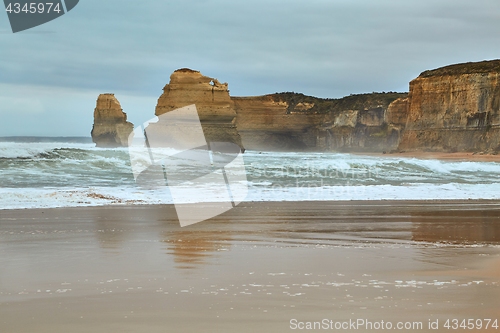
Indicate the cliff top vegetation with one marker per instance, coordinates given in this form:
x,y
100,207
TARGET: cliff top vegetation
x,y
326,105
486,66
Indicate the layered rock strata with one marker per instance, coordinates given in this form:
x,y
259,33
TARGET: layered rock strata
x,y
111,128
396,117
284,121
213,103
266,123
455,108
291,121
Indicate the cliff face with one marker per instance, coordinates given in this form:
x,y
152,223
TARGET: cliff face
x,y
396,116
362,123
266,123
285,121
215,107
397,113
111,128
455,108
290,121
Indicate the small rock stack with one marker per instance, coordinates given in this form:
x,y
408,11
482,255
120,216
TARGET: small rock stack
x,y
111,128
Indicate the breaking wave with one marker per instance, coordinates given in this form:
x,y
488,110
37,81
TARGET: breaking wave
x,y
59,174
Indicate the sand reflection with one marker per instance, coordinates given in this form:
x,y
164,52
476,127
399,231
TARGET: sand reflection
x,y
192,248
457,227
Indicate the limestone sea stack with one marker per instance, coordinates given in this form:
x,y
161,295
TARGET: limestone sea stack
x,y
211,98
111,128
455,108
450,109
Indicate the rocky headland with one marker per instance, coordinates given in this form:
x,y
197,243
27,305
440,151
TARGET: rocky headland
x,y
455,109
450,109
111,128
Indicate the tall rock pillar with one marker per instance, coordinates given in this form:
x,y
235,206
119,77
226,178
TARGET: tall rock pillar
x,y
111,128
212,100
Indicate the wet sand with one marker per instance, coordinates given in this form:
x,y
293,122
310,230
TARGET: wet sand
x,y
252,269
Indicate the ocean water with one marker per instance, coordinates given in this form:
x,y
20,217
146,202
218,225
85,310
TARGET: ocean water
x,y
43,173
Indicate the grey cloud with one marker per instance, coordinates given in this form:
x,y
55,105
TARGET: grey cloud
x,y
321,48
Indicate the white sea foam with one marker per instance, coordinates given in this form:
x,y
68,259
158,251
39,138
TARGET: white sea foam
x,y
96,196
77,174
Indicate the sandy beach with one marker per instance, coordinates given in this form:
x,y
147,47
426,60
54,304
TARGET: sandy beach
x,y
351,148
261,267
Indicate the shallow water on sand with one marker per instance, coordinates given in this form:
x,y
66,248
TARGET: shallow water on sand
x,y
261,267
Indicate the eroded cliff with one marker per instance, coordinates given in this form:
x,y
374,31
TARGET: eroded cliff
x,y
291,121
111,128
213,103
455,108
281,121
268,123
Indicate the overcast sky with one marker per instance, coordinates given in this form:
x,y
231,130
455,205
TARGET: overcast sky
x,y
51,75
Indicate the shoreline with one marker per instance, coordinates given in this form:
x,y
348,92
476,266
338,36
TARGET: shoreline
x,y
460,203
336,203
459,156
